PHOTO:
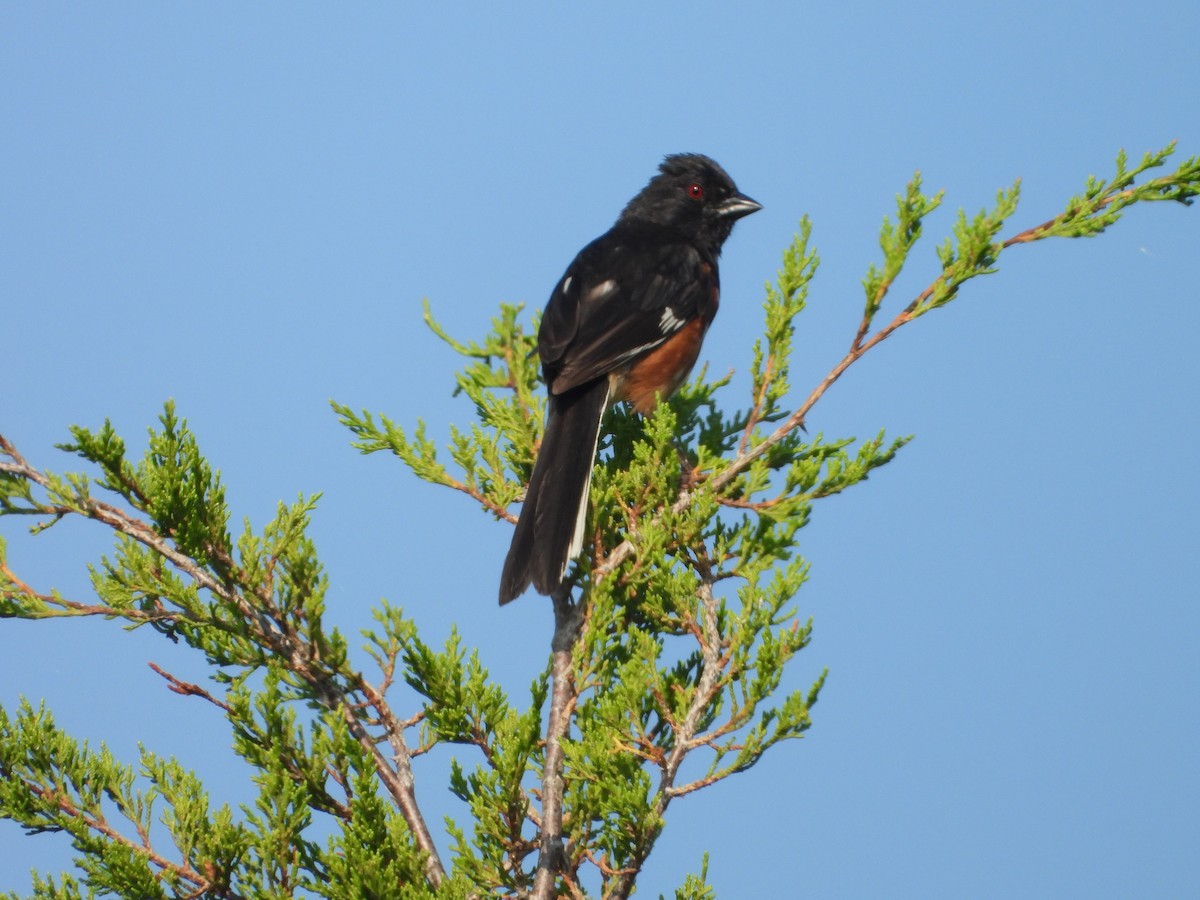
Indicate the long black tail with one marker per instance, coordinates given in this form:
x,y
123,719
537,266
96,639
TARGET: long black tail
x,y
550,530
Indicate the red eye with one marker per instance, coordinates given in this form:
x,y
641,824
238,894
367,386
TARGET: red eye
x,y
696,190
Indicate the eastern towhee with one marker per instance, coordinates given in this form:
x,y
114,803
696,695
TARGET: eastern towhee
x,y
625,323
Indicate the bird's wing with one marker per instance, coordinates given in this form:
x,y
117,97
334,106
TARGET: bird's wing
x,y
617,300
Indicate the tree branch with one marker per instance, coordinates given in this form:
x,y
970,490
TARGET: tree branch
x,y
707,687
272,630
568,620
859,348
186,688
99,825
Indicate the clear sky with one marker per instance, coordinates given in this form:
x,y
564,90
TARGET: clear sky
x,y
242,207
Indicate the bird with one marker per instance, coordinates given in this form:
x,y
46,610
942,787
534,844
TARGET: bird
x,y
624,323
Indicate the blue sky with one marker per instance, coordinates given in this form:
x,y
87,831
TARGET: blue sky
x,y
243,207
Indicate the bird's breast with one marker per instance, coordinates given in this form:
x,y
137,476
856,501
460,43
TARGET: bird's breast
x,y
659,372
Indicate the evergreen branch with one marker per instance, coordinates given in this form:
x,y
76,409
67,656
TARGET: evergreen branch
x,y
896,241
681,523
188,689
50,782
976,253
262,617
123,523
786,299
707,688
397,779
99,824
15,595
568,621
1090,213
418,453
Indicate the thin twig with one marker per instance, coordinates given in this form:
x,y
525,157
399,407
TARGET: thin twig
x,y
756,411
98,824
707,687
186,688
483,500
568,621
398,780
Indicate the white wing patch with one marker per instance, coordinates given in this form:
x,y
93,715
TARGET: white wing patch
x,y
566,285
602,290
636,351
669,322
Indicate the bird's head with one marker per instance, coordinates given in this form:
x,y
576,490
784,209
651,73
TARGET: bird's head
x,y
693,196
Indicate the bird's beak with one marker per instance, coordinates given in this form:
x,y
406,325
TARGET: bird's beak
x,y
737,206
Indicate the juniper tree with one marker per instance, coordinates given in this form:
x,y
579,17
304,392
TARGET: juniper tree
x,y
668,647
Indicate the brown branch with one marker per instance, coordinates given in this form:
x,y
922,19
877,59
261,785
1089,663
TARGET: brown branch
x,y
100,825
602,865
573,888
399,780
696,785
759,505
624,550
756,411
18,461
479,497
865,325
707,688
22,587
1038,231
186,688
78,608
568,620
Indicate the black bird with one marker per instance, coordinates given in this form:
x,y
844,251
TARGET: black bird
x,y
625,323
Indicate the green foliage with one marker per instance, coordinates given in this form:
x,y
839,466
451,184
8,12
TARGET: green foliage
x,y
896,241
1102,202
50,782
784,302
680,636
499,379
174,485
696,887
